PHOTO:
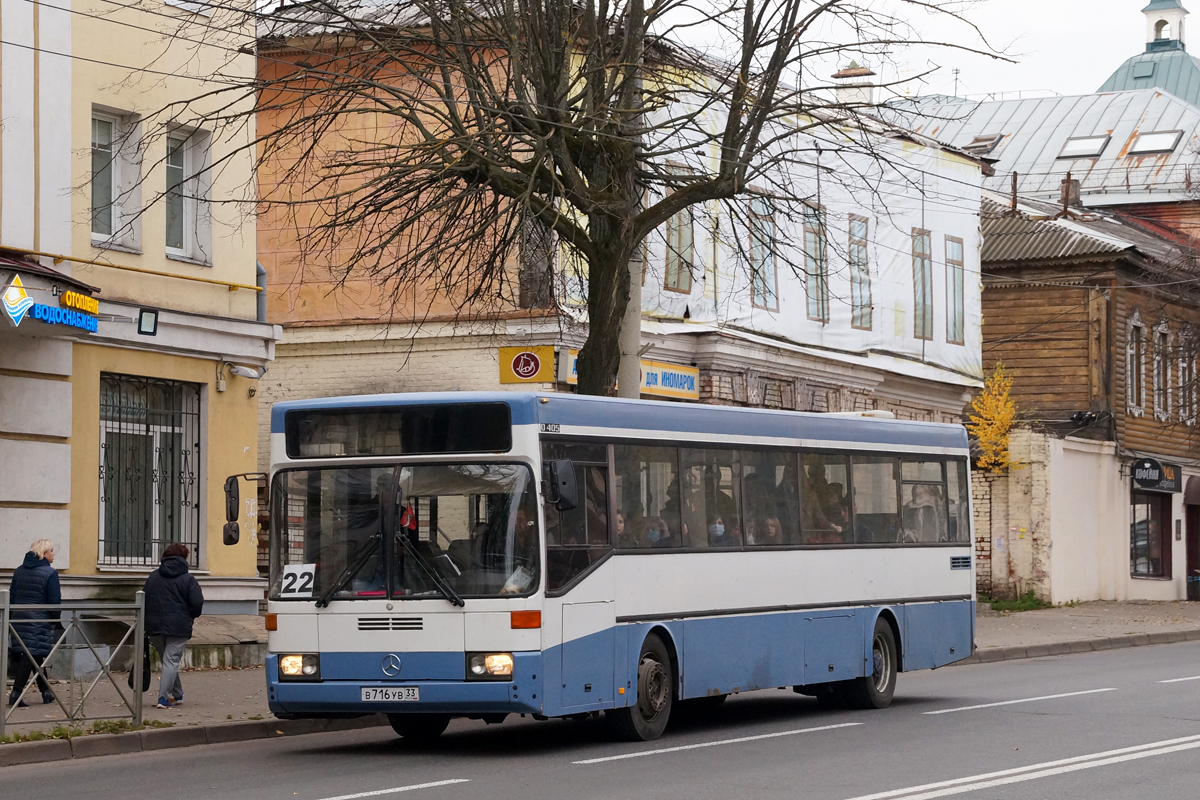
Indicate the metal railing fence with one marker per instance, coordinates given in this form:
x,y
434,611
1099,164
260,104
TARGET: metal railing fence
x,y
74,632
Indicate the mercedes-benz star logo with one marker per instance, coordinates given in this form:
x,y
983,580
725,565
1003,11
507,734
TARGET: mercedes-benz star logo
x,y
391,665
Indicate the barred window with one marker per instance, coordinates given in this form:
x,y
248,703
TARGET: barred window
x,y
150,483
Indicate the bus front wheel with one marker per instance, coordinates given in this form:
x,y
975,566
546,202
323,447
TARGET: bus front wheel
x,y
876,690
647,718
419,727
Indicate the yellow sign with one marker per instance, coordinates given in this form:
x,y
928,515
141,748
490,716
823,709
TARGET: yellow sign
x,y
527,364
659,379
79,302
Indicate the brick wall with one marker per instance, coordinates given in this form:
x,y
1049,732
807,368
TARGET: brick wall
x,y
981,502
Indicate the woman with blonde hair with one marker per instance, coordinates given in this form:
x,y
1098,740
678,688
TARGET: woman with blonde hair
x,y
35,582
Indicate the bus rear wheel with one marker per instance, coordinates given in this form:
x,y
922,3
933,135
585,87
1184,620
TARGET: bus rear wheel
x,y
876,690
647,718
419,727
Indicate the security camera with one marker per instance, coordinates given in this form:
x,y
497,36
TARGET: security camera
x,y
248,372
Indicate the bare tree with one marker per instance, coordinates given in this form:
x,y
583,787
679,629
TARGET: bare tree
x,y
423,145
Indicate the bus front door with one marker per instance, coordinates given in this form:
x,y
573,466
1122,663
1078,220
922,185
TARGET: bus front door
x,y
587,654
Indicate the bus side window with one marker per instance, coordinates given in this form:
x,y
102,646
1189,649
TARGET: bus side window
x,y
876,503
959,492
771,503
648,496
708,501
578,538
924,497
825,499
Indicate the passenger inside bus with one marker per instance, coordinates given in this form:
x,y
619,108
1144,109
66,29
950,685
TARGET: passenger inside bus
x,y
825,509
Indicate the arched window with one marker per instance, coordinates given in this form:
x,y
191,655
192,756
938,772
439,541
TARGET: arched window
x,y
1162,30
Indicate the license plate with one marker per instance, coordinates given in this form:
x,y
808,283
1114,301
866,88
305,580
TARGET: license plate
x,y
391,694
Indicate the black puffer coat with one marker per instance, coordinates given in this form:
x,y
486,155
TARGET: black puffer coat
x,y
35,581
173,599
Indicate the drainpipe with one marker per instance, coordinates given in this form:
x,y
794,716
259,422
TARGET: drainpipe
x,y
260,280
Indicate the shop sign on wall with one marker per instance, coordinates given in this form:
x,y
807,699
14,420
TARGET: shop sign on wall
x,y
1152,475
659,379
527,364
75,310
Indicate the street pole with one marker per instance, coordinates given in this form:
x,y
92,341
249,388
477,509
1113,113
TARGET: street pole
x,y
629,370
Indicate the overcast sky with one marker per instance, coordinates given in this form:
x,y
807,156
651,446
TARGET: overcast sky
x,y
1062,46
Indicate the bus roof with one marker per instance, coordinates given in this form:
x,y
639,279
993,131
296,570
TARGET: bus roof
x,y
585,412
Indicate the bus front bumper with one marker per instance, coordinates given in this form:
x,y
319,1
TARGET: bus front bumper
x,y
339,698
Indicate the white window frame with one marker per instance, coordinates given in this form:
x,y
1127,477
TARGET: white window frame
x,y
816,263
764,236
196,190
1140,149
1135,366
1094,151
1186,383
1162,372
126,198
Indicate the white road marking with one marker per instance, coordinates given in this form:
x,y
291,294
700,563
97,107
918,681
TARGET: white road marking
x,y
1033,771
398,789
1014,702
1180,680
712,744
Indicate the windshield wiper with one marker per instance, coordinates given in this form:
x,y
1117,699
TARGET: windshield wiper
x,y
355,563
444,587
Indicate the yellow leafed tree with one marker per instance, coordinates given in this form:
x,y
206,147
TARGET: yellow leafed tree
x,y
994,415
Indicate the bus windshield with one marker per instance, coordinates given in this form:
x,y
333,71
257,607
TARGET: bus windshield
x,y
404,531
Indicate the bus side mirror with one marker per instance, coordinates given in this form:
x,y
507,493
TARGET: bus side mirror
x,y
232,501
563,491
231,533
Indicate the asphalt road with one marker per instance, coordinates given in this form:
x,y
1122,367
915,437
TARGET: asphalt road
x,y
1094,726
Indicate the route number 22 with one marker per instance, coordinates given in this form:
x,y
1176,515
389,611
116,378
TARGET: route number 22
x,y
298,580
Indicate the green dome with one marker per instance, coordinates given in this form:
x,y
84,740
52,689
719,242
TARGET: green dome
x,y
1173,71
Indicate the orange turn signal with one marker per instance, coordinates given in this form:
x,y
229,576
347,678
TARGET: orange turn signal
x,y
272,622
527,619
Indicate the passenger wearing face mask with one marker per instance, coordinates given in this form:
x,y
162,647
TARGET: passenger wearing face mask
x,y
658,534
719,535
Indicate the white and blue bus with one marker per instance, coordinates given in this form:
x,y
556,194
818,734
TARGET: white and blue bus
x,y
484,554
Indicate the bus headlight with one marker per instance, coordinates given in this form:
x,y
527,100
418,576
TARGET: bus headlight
x,y
489,666
305,667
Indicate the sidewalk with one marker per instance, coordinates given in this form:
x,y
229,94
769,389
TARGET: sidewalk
x,y
1100,625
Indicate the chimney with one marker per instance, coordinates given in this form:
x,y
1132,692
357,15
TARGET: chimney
x,y
853,86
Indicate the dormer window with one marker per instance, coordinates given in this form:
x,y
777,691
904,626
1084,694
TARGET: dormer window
x,y
1156,142
1084,147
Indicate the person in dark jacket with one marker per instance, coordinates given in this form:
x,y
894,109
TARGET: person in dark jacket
x,y
34,582
173,601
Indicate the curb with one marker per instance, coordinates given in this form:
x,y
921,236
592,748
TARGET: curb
x,y
111,744
993,654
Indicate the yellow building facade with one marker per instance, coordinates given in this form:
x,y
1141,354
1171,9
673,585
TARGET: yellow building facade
x,y
131,333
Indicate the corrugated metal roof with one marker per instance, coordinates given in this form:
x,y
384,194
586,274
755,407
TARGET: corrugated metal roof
x,y
1173,71
1011,239
1034,131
